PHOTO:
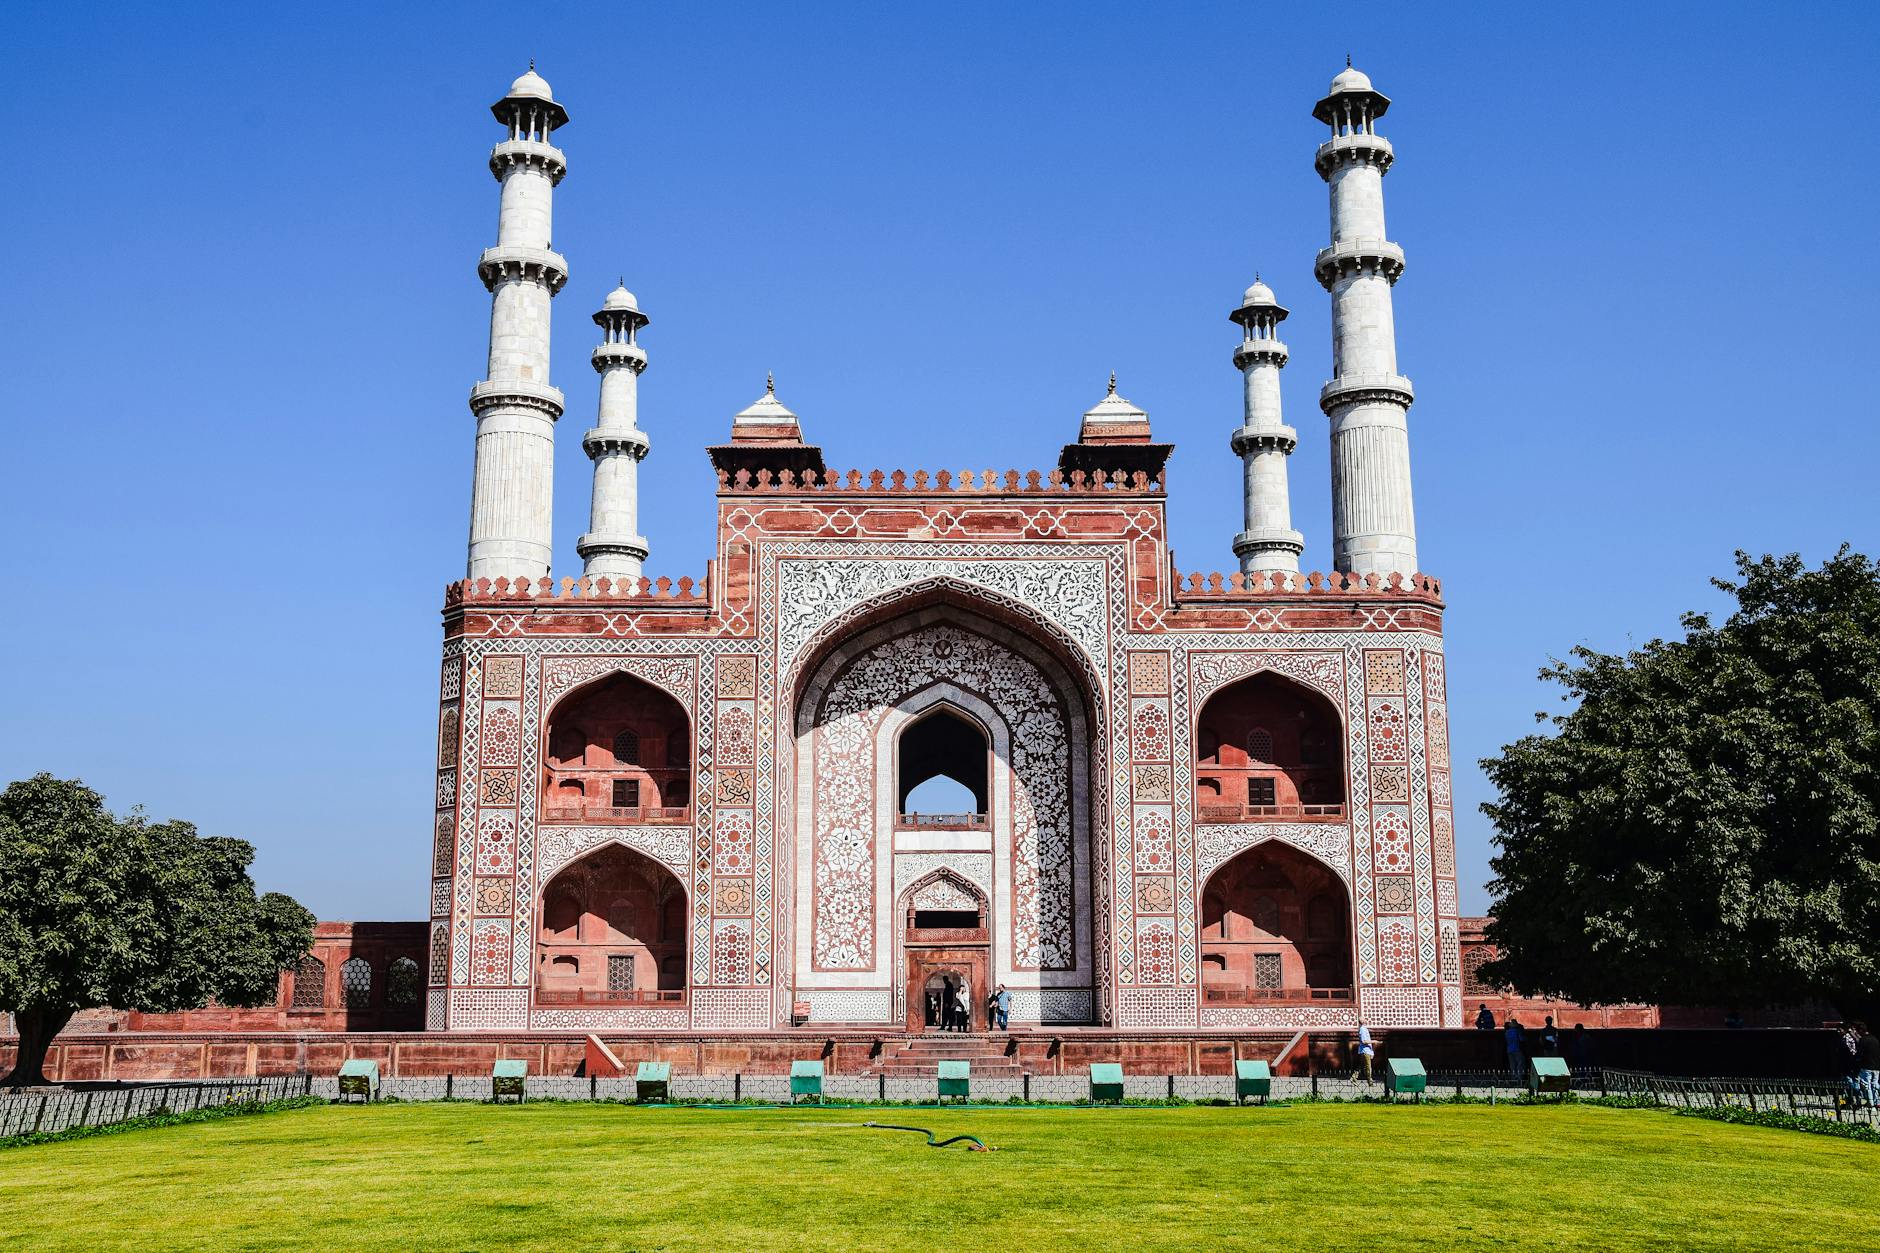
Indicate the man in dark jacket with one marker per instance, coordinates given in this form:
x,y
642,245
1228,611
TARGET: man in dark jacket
x,y
1484,1020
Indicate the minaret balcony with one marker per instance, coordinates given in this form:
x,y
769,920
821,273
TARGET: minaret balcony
x,y
1353,149
1365,389
515,394
1259,352
604,441
1269,539
1363,255
526,152
1256,438
611,356
513,261
595,544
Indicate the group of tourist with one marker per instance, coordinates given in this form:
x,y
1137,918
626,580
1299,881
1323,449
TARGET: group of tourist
x,y
1863,1064
950,1007
1515,1039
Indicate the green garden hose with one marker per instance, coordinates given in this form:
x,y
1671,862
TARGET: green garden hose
x,y
977,1145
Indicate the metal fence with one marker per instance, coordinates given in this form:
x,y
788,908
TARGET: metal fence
x,y
28,1112
101,1106
1823,1098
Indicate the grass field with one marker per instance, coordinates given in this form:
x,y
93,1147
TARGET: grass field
x,y
579,1176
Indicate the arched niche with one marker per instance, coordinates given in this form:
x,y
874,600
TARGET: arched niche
x,y
1269,748
612,932
1275,929
943,746
618,750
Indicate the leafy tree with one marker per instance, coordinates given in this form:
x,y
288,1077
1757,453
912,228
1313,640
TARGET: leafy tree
x,y
97,910
1701,827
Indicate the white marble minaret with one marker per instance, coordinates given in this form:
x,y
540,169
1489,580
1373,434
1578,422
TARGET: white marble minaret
x,y
613,546
510,532
1373,524
1264,441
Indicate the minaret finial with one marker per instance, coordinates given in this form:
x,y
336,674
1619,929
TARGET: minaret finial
x,y
532,63
1347,61
770,383
1112,382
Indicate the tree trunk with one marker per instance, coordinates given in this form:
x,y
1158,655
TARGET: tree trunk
x,y
37,1027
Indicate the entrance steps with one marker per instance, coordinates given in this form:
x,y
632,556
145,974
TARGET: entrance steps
x,y
919,1057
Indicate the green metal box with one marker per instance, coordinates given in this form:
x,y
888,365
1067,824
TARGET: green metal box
x,y
1549,1074
1252,1078
955,1078
1405,1076
1106,1081
806,1080
359,1077
507,1079
652,1081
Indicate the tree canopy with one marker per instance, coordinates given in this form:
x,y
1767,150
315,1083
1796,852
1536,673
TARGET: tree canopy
x,y
98,910
1701,827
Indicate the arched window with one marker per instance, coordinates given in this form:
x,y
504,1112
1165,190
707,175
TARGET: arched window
x,y
402,984
355,980
943,763
627,747
1260,745
1473,959
310,984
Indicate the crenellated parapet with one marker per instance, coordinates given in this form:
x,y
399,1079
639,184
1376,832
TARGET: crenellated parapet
x,y
661,592
1280,583
920,482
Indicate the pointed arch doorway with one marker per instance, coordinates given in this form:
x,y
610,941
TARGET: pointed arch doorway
x,y
947,943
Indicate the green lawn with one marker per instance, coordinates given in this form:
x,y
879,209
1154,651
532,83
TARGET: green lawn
x,y
577,1176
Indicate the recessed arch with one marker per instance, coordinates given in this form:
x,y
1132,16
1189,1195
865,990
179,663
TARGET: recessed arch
x,y
612,931
1276,929
1268,747
1049,958
617,749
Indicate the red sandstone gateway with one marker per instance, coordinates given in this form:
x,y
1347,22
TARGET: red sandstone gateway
x,y
1202,804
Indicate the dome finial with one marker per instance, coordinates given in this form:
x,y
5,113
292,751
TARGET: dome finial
x,y
1347,61
770,383
1112,382
532,62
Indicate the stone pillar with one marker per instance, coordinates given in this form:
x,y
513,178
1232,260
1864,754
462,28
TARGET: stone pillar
x,y
1264,441
1373,522
613,547
510,523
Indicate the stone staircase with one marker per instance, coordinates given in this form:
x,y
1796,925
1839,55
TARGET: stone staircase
x,y
919,1056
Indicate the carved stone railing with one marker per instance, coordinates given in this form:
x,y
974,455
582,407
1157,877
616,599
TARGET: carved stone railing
x,y
955,822
607,996
1268,996
1268,813
920,482
590,812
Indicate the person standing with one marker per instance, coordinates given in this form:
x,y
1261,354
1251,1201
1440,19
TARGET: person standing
x,y
948,991
1517,1045
963,1008
1867,1054
1550,1039
1366,1049
1577,1050
1005,1008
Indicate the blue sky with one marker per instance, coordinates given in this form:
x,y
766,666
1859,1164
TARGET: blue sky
x,y
1639,312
